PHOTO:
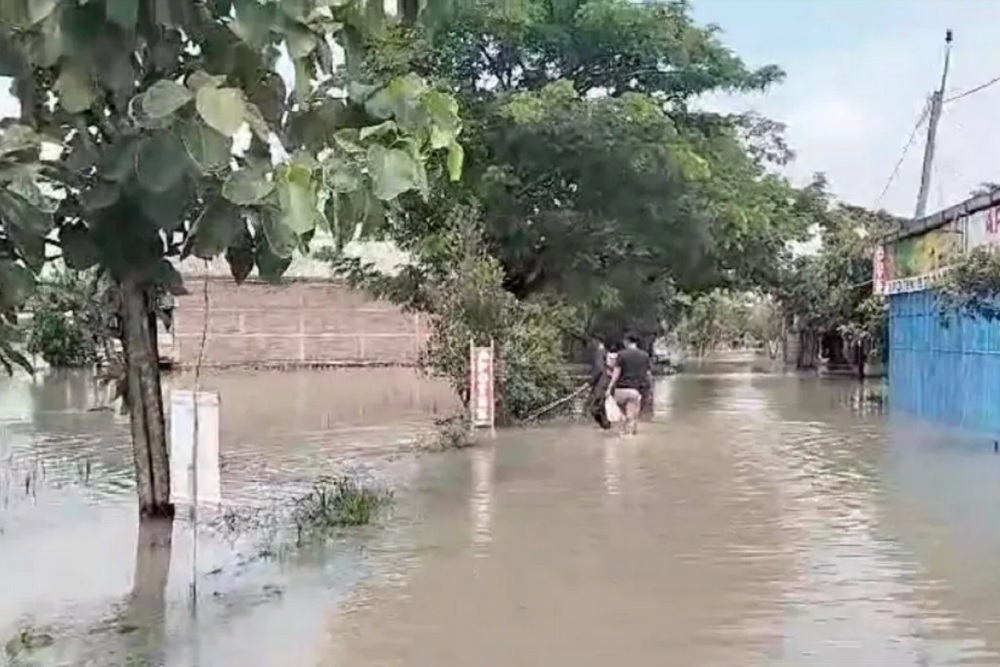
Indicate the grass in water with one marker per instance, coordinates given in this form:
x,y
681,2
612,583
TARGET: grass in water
x,y
453,432
338,503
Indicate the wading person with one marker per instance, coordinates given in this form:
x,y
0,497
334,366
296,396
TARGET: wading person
x,y
633,371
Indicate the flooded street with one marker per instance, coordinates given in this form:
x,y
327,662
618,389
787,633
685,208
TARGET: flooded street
x,y
759,520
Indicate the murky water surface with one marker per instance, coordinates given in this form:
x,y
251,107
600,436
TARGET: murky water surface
x,y
758,520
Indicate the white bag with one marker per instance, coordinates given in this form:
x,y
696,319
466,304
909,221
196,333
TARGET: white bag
x,y
612,411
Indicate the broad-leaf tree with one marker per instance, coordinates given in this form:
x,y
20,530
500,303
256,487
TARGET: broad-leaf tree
x,y
829,293
175,134
25,221
598,178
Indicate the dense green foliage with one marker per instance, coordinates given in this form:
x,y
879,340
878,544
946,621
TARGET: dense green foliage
x,y
460,286
67,319
831,290
604,193
600,183
721,319
972,285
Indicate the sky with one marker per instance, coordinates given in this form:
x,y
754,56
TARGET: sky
x,y
858,76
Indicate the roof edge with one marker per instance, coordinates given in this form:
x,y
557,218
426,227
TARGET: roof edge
x,y
920,225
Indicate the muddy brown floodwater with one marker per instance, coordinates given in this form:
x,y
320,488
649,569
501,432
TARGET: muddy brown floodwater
x,y
758,520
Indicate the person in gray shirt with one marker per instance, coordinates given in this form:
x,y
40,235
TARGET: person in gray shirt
x,y
633,373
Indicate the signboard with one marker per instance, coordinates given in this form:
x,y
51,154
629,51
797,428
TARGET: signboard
x,y
481,385
194,467
878,270
914,263
982,228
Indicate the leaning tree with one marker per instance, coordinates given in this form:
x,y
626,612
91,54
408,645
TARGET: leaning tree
x,y
152,130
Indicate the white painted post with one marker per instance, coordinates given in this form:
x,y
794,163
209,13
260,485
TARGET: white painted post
x,y
194,460
482,381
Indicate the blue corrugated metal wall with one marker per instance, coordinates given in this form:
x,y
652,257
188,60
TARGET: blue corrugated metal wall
x,y
948,374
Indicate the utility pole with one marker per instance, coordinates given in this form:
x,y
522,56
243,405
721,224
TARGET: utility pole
x,y
937,101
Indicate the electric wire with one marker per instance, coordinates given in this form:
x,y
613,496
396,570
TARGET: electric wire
x,y
899,163
972,91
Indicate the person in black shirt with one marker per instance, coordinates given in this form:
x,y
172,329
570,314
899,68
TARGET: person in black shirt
x,y
633,372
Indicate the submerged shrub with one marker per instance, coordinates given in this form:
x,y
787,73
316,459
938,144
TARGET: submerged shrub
x,y
337,503
453,432
65,322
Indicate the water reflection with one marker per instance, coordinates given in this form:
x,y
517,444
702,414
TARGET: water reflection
x,y
145,613
481,501
612,466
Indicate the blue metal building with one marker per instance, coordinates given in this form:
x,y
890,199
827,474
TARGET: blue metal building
x,y
943,367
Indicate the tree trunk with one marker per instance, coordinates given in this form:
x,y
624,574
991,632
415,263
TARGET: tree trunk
x,y
145,402
807,350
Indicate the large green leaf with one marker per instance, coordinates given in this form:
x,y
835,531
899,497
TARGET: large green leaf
x,y
393,172
301,41
219,227
20,213
240,255
17,283
343,175
101,195
254,21
78,248
297,198
200,78
247,186
396,99
442,110
270,265
75,89
167,210
17,139
267,93
280,238
380,130
118,160
456,160
161,162
209,149
222,108
348,210
167,276
164,98
23,181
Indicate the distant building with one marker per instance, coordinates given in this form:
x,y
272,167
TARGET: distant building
x,y
941,369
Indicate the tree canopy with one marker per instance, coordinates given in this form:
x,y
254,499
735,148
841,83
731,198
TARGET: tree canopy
x,y
598,177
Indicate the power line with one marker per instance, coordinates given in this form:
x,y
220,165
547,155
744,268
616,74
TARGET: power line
x,y
972,91
902,156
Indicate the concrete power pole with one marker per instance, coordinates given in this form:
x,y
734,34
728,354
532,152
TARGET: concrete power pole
x,y
937,101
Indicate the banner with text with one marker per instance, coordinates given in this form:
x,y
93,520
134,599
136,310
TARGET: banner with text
x,y
982,228
481,382
913,264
